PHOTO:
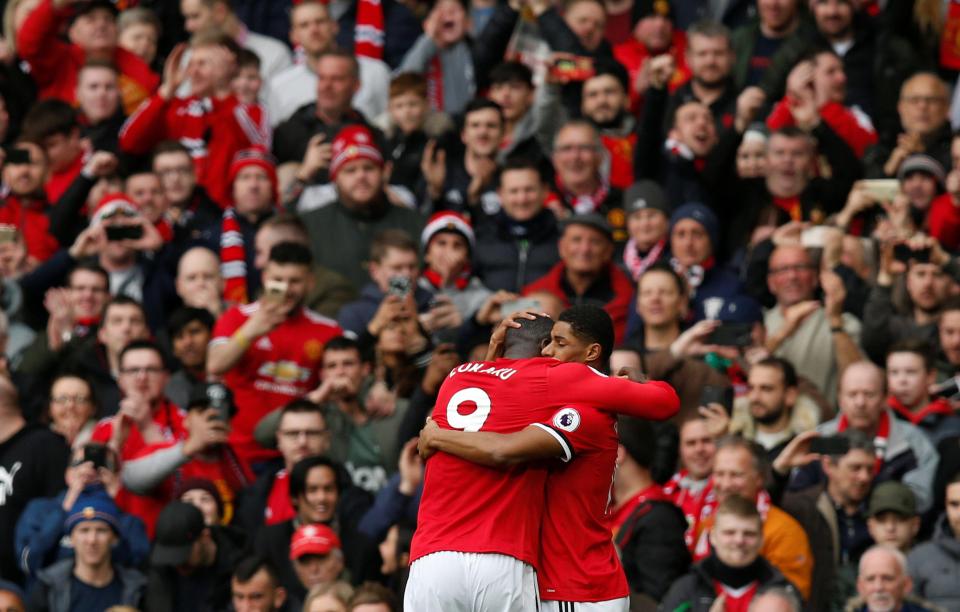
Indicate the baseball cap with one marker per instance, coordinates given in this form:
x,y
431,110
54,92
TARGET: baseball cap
x,y
892,496
645,194
741,309
592,220
178,527
919,162
313,540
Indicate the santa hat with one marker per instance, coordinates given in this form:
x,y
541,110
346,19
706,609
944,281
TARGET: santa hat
x,y
446,221
259,157
351,143
112,203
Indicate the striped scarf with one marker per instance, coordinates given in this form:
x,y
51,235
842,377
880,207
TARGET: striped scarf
x,y
233,262
368,34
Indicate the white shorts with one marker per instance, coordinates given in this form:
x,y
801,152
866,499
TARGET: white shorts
x,y
470,582
612,605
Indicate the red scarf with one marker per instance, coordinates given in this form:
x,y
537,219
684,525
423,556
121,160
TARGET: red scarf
x,y
368,34
435,83
679,491
950,39
937,406
791,206
879,440
233,259
736,600
635,264
436,280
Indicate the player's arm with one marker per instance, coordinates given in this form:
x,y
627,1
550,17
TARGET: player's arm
x,y
494,449
575,384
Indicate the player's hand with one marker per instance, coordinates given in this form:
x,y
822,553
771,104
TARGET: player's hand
x,y
499,335
427,436
797,453
410,468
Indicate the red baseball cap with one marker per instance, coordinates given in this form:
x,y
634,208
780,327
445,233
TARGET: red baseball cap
x,y
313,540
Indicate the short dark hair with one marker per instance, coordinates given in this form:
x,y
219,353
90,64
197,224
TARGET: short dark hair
x,y
251,565
123,300
408,83
787,371
639,440
289,222
591,324
248,59
740,507
520,163
511,72
93,268
373,593
529,339
951,303
790,131
169,146
391,239
709,29
479,104
342,343
291,253
300,470
301,406
47,118
757,453
141,345
99,63
342,54
185,315
915,346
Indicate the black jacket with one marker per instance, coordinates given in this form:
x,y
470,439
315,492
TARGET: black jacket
x,y
504,260
695,588
655,530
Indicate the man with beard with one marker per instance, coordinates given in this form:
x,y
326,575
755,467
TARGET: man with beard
x,y
464,183
710,58
24,207
927,281
772,394
604,103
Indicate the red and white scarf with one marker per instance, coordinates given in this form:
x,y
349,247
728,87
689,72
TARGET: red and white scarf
x,y
583,203
636,264
233,259
368,34
880,440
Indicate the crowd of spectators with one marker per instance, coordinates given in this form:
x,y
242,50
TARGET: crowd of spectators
x,y
243,242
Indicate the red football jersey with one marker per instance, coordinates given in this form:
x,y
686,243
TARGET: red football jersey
x,y
471,508
578,561
278,367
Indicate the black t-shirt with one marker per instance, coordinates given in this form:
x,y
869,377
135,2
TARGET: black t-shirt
x,y
760,60
32,463
86,598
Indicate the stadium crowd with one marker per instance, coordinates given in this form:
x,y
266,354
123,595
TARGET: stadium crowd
x,y
243,243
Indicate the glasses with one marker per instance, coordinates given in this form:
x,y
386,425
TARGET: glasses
x,y
179,170
928,100
71,399
152,370
793,268
296,434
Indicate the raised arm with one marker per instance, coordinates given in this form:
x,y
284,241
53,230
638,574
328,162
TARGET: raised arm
x,y
574,383
494,449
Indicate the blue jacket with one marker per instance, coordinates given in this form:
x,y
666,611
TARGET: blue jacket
x,y
353,317
40,540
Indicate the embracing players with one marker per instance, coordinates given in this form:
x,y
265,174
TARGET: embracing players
x,y
479,529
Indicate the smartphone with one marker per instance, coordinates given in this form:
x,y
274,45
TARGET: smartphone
x,y
577,68
732,334
219,397
903,252
9,233
97,453
830,445
123,232
882,190
947,388
717,395
274,290
521,305
18,156
399,286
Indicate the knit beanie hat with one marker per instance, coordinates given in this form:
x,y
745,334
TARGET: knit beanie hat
x,y
702,215
259,157
93,504
351,143
110,204
446,221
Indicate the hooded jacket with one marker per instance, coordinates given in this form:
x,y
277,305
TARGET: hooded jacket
x,y
935,567
52,593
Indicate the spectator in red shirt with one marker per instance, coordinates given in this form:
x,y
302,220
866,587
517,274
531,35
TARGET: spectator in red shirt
x,y
53,125
25,204
586,273
54,64
822,77
269,352
202,452
211,122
